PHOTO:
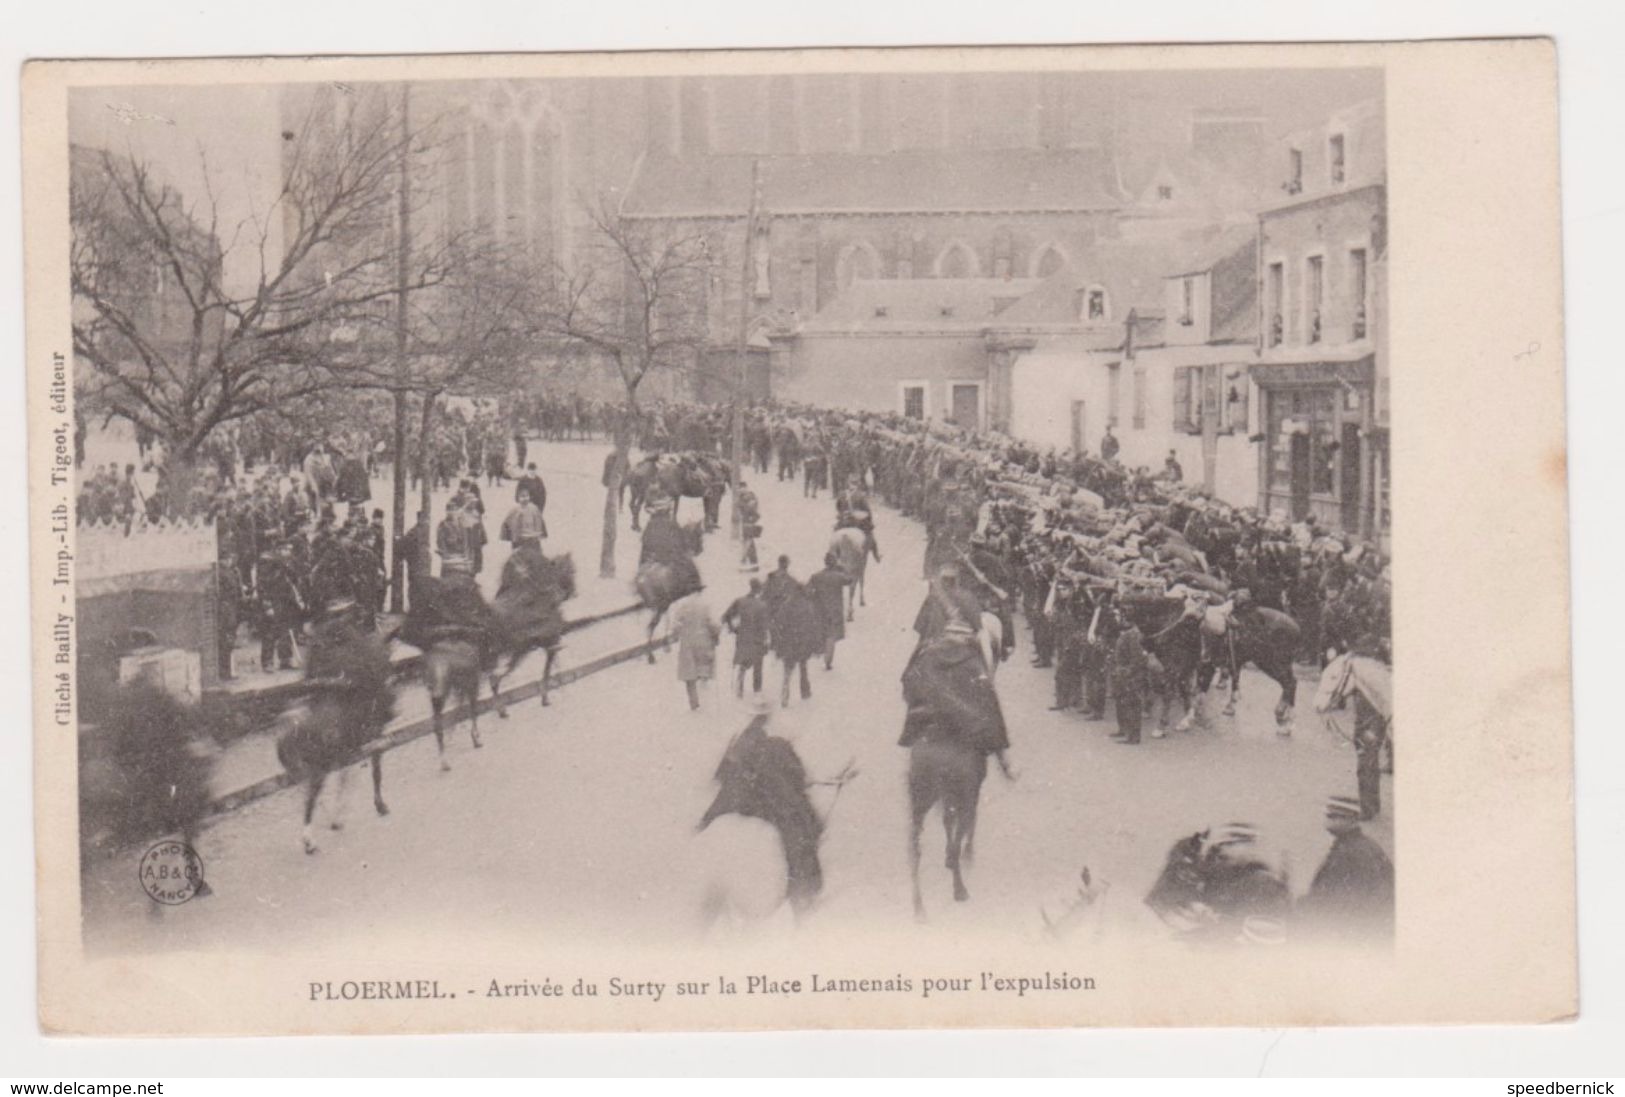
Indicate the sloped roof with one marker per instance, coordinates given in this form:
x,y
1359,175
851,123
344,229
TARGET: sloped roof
x,y
1209,253
1131,273
914,303
922,181
1230,184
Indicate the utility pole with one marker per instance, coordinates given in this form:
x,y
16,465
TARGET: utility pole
x,y
403,244
742,375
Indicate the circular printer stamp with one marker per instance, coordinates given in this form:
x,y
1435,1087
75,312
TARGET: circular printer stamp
x,y
171,872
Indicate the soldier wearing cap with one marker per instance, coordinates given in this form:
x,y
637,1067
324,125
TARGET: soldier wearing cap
x,y
1352,894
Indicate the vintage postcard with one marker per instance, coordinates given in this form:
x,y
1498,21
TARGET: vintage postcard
x,y
816,539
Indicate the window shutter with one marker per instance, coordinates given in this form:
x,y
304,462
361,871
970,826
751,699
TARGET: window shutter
x,y
1182,398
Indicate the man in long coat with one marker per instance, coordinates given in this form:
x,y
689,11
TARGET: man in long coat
x,y
697,632
748,617
827,589
762,777
798,634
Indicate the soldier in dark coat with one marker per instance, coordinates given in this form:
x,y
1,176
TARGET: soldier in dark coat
x,y
1131,679
951,698
798,634
827,588
280,607
1352,895
762,777
748,618
947,602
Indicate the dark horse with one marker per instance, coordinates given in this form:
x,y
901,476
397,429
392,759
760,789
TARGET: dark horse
x,y
1264,637
1173,635
348,703
701,476
1217,887
453,627
529,614
954,722
666,569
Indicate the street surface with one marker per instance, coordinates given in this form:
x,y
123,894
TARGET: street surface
x,y
577,821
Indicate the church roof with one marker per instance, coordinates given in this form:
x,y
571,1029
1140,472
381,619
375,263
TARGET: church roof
x,y
897,182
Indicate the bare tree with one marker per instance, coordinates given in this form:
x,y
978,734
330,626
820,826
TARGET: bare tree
x,y
169,340
636,300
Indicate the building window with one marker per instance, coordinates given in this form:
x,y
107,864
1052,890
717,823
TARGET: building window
x,y
1188,399
1294,182
1187,301
857,262
1165,193
1335,158
1094,304
1315,289
1357,291
1113,387
1050,260
914,401
1139,398
1233,385
957,260
1276,303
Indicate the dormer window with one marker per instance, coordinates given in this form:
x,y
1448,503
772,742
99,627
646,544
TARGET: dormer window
x,y
1337,164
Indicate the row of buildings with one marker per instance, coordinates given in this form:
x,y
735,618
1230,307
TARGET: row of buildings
x,y
1194,261
1247,339
1200,282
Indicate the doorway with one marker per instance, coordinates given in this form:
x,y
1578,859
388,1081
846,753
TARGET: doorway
x,y
1348,481
1300,477
966,405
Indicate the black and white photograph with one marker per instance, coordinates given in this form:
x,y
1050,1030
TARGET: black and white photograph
x,y
928,527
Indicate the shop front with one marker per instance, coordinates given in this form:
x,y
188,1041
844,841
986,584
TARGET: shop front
x,y
1319,444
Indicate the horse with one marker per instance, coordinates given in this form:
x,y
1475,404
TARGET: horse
x,y
1372,681
451,665
318,737
1219,886
990,638
1266,638
852,547
691,476
1371,678
950,773
1173,635
954,722
527,611
663,580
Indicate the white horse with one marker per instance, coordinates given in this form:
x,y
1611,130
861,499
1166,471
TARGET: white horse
x,y
1349,673
852,547
990,638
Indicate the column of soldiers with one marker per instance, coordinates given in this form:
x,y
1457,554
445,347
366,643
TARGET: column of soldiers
x,y
285,552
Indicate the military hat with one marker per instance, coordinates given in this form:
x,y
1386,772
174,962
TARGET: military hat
x,y
1342,810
